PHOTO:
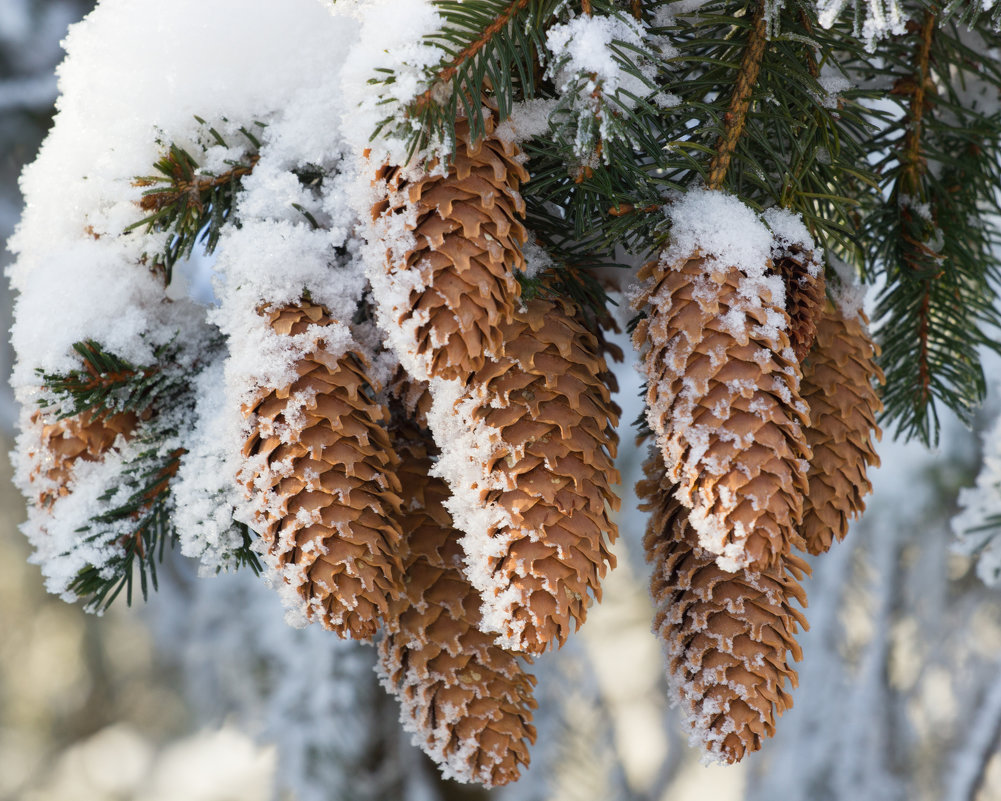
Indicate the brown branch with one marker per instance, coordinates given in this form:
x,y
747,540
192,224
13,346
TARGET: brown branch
x,y
811,61
622,209
913,165
149,498
191,191
740,102
585,6
916,87
471,50
637,8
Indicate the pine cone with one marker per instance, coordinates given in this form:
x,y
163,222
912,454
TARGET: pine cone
x,y
468,701
726,635
838,385
723,399
805,297
468,249
552,467
322,477
82,437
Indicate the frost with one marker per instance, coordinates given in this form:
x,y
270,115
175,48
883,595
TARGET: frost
x,y
833,86
848,293
882,17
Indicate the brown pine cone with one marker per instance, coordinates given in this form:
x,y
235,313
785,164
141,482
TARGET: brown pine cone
x,y
805,297
84,437
550,474
468,701
723,399
468,249
726,635
322,477
838,385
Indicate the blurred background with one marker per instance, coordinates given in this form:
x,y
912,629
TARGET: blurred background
x,y
205,694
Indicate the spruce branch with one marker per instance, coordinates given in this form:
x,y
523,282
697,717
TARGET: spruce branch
x,y
491,49
452,69
137,529
740,101
933,233
107,383
190,204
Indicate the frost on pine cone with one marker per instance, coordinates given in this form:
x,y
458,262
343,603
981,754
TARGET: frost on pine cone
x,y
723,398
467,250
726,635
552,422
468,701
838,385
322,480
62,443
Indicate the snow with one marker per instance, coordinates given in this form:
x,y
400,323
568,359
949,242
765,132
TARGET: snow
x,y
389,39
598,66
467,446
882,18
724,230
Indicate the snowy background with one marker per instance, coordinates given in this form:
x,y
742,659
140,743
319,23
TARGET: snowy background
x,y
206,694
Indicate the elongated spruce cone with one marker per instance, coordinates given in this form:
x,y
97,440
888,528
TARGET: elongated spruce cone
x,y
468,250
805,297
838,384
723,399
322,478
85,437
553,422
468,702
726,635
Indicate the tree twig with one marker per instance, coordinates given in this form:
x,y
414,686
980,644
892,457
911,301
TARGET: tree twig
x,y
740,101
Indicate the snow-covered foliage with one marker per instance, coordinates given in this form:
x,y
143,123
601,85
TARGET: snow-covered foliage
x,y
978,525
312,696
598,75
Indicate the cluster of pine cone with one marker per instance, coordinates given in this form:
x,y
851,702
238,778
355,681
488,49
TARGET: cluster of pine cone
x,y
339,471
764,437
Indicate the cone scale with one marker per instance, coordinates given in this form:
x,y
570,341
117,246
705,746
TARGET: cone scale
x,y
84,437
548,478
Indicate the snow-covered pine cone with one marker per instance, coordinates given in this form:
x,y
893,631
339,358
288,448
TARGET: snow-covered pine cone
x,y
468,701
552,420
723,399
838,385
62,443
322,480
805,296
726,635
460,275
